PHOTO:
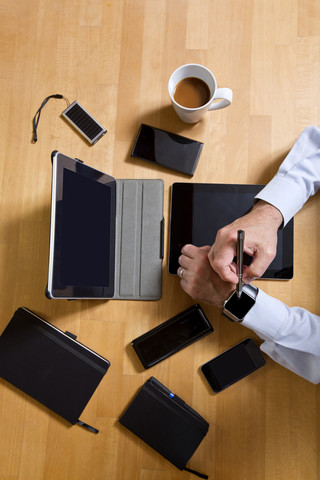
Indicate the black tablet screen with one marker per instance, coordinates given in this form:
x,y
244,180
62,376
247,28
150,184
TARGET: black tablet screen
x,y
199,210
83,225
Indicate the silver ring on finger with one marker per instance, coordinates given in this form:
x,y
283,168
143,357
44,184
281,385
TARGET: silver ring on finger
x,y
181,272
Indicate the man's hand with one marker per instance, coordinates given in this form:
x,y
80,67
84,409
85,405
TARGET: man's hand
x,y
261,226
199,280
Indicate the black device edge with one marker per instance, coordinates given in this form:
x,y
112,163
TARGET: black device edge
x,y
162,230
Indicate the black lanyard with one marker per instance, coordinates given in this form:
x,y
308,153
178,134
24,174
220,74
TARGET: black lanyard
x,y
36,118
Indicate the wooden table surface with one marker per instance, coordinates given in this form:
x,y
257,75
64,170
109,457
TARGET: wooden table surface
x,y
115,57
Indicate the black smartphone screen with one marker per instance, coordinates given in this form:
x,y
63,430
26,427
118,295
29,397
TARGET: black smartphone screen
x,y
171,336
167,149
232,365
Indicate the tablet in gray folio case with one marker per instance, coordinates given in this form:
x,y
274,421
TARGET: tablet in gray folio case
x,y
106,235
50,365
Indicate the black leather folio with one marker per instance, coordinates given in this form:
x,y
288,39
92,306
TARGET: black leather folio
x,y
50,365
166,423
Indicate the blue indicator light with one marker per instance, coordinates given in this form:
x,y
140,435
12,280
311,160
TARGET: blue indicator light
x,y
171,395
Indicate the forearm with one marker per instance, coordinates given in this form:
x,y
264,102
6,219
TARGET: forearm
x,y
266,213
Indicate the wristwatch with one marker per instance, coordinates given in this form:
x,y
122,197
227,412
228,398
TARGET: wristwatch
x,y
236,308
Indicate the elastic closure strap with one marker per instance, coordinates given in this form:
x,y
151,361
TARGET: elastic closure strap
x,y
88,427
201,475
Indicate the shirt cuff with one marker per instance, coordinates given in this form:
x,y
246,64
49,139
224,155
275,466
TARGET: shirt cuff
x,y
285,195
266,317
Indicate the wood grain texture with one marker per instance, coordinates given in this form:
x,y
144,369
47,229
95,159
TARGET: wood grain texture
x,y
115,57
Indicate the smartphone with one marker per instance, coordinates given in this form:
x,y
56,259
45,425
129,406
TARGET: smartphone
x,y
171,336
235,363
167,149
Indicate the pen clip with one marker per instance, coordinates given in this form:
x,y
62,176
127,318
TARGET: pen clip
x,y
240,246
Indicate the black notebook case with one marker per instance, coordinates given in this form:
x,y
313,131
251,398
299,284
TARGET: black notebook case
x,y
50,365
166,423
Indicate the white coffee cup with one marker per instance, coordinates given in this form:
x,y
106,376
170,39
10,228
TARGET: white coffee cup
x,y
194,115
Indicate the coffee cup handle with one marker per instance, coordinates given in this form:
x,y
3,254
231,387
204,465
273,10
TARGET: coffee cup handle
x,y
225,94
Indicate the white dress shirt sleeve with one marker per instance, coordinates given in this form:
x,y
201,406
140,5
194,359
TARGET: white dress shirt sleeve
x,y
298,176
292,335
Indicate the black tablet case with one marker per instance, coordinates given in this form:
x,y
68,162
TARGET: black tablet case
x,y
50,365
166,423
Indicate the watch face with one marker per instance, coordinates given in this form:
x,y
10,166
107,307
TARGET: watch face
x,y
239,307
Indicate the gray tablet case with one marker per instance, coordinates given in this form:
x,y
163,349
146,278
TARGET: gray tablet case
x,y
50,365
139,239
137,232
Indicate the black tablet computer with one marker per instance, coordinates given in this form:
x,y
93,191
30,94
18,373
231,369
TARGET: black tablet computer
x,y
199,210
82,243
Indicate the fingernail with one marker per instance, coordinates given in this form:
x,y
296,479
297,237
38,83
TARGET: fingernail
x,y
252,279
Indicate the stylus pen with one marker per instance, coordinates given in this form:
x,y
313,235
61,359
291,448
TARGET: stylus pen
x,y
240,242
